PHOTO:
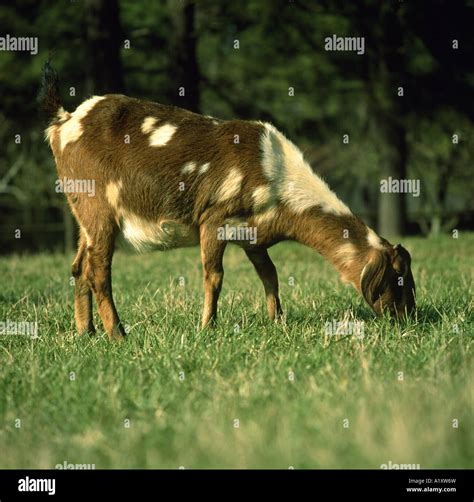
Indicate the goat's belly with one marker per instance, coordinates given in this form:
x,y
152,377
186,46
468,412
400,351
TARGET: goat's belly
x,y
161,235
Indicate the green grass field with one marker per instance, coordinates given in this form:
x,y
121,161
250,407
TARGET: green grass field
x,y
248,394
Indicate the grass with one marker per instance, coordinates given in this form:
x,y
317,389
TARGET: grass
x,y
248,394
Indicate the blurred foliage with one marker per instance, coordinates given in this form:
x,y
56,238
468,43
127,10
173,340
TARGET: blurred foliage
x,y
280,50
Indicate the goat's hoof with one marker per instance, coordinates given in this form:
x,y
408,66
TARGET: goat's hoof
x,y
117,335
87,332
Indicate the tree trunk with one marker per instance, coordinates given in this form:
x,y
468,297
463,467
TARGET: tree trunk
x,y
184,67
104,39
387,61
392,212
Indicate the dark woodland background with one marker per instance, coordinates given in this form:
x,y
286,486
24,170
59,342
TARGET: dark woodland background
x,y
192,44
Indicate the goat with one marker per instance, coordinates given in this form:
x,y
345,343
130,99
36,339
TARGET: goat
x,y
170,178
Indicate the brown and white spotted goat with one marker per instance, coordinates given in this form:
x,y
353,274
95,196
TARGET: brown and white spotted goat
x,y
170,178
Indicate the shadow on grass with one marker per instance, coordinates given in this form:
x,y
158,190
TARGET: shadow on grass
x,y
303,316
425,314
428,313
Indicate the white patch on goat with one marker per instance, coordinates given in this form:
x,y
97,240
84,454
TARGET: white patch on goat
x,y
230,187
292,177
72,128
112,193
62,115
165,234
213,119
204,168
50,132
265,217
88,237
345,253
261,197
373,239
188,168
148,124
162,135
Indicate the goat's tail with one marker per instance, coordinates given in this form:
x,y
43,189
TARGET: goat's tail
x,y
48,96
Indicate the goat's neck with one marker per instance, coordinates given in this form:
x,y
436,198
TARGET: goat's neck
x,y
341,239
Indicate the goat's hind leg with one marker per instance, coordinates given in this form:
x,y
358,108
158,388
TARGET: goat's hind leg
x,y
99,273
82,290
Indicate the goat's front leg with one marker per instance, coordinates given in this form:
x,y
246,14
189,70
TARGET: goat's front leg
x,y
268,275
99,273
212,252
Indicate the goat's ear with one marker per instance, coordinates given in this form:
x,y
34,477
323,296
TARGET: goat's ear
x,y
372,276
400,259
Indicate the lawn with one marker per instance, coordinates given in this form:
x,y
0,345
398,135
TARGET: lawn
x,y
248,394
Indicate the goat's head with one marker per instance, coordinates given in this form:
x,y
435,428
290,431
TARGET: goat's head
x,y
387,282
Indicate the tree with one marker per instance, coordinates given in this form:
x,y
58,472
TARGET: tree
x,y
104,38
183,62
